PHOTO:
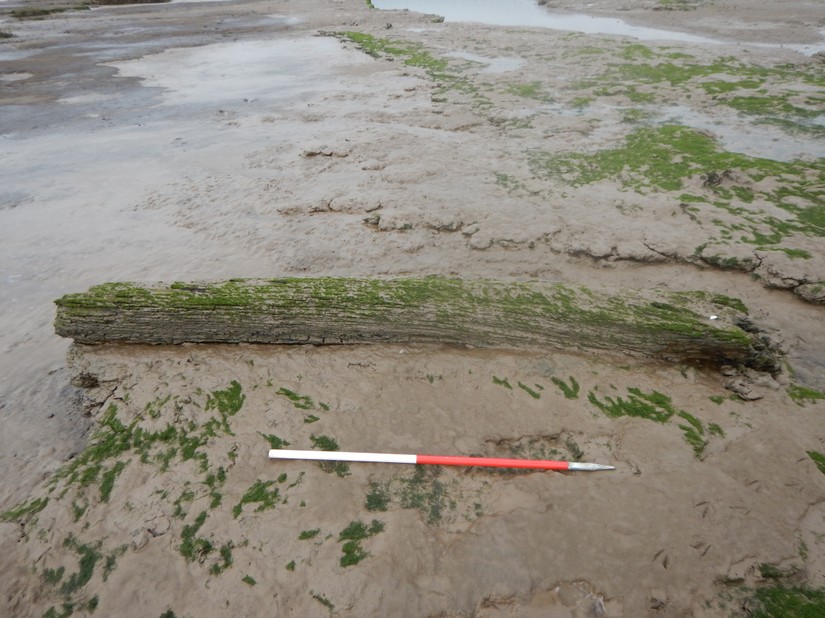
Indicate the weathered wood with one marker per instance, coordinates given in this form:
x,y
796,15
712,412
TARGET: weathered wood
x,y
672,326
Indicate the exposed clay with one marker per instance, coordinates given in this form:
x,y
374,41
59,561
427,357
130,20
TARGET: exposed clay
x,y
197,141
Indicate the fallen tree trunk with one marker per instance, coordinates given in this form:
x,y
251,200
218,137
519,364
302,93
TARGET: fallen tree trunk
x,y
670,326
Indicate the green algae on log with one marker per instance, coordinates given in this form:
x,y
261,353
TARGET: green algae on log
x,y
665,325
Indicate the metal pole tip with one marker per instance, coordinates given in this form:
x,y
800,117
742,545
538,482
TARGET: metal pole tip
x,y
575,465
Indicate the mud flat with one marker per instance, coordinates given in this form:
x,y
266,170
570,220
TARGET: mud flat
x,y
219,140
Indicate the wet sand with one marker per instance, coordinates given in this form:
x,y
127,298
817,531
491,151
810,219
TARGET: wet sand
x,y
202,141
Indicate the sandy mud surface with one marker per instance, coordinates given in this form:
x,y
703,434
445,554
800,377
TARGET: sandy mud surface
x,y
190,141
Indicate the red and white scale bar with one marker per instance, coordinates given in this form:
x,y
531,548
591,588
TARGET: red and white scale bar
x,y
437,460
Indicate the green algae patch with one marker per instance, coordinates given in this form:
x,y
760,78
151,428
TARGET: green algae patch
x,y
502,382
786,96
426,492
533,393
773,105
771,89
115,444
676,74
275,442
485,313
71,588
650,70
666,158
780,601
328,443
653,406
111,439
802,394
412,54
262,494
530,90
447,75
657,407
663,158
819,459
679,5
39,13
24,510
352,536
571,391
108,480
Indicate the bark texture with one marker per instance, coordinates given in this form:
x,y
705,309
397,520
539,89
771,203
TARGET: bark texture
x,y
671,326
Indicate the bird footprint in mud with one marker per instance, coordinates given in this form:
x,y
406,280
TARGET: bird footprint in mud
x,y
662,558
705,508
797,487
701,547
742,511
755,485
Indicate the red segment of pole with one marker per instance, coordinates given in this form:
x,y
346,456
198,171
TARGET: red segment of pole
x,y
490,462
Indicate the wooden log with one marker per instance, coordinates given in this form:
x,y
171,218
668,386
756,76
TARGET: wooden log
x,y
663,325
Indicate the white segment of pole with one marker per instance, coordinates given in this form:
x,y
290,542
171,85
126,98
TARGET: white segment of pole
x,y
342,456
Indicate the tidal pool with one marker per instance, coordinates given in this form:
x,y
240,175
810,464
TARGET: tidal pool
x,y
529,13
759,140
278,71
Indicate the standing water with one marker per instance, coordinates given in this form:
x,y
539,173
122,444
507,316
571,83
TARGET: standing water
x,y
529,13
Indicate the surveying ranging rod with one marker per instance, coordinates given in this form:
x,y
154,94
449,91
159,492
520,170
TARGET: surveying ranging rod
x,y
436,460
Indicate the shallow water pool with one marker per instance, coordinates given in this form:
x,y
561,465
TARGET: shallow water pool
x,y
529,13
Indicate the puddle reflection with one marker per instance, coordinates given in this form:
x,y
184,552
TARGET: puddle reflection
x,y
529,13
